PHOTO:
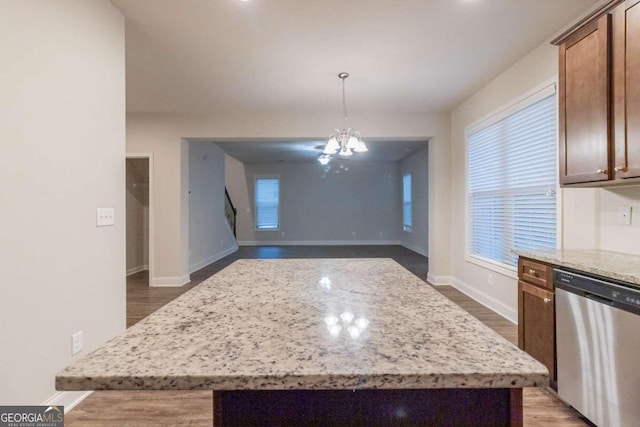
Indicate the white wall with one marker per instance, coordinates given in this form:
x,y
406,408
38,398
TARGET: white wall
x,y
137,215
587,215
418,166
358,205
62,145
613,236
533,70
163,135
210,237
170,240
579,218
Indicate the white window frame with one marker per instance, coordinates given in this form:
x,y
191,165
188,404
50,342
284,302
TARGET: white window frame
x,y
408,229
528,98
255,207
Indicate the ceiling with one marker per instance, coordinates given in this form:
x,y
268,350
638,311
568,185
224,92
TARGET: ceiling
x,y
241,57
207,56
265,151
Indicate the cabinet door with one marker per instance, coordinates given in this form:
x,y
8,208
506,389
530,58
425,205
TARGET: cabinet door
x,y
536,325
585,148
626,88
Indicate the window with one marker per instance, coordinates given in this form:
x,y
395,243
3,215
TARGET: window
x,y
512,181
267,203
406,203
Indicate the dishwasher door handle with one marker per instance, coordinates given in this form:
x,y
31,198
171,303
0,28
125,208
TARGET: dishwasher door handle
x,y
599,299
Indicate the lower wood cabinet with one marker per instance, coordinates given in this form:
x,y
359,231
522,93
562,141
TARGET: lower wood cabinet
x,y
536,325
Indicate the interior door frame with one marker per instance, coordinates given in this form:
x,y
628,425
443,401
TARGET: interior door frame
x,y
150,243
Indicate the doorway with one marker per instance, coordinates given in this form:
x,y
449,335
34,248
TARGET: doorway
x,y
138,218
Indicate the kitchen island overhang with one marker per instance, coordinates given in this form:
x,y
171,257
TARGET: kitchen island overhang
x,y
306,328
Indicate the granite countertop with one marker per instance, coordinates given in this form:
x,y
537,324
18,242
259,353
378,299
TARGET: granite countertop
x,y
307,324
614,265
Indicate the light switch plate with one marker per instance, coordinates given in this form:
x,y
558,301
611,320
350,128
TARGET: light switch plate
x,y
105,217
624,215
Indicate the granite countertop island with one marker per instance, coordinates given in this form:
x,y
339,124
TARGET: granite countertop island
x,y
307,324
608,264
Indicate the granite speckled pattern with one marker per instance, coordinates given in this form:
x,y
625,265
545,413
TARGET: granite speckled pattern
x,y
614,265
307,324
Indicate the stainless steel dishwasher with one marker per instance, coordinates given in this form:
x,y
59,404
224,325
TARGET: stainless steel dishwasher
x,y
598,348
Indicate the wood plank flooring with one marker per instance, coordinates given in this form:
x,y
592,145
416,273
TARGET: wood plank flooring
x,y
194,408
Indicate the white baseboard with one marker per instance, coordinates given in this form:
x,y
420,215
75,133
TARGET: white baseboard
x,y
68,399
161,282
213,258
134,270
487,300
317,242
439,280
416,249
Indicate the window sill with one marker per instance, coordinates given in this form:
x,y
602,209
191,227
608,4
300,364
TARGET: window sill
x,y
500,269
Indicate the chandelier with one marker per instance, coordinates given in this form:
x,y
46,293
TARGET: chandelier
x,y
346,141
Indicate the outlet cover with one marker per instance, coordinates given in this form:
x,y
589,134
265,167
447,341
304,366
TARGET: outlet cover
x,y
105,217
624,215
76,343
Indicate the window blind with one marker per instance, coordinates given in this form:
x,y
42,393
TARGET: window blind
x,y
512,181
267,203
406,203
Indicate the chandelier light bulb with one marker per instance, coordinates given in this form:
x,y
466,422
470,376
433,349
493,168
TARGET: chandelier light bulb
x,y
353,143
345,152
361,148
332,146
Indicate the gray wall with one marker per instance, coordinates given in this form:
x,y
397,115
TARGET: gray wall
x,y
210,237
62,155
418,166
322,207
137,215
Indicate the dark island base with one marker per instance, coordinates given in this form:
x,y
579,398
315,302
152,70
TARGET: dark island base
x,y
428,407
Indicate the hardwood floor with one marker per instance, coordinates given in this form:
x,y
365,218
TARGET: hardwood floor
x,y
194,408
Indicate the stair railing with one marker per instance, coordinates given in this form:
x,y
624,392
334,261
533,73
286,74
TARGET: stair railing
x,y
230,212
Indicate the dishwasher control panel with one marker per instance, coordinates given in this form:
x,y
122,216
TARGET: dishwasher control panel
x,y
608,292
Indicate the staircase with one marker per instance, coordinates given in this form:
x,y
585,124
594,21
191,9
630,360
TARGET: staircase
x,y
230,212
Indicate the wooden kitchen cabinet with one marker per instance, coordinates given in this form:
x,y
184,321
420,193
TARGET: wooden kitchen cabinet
x,y
599,97
536,313
584,104
626,89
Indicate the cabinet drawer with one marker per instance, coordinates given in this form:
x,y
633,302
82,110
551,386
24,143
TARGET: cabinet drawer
x,y
535,273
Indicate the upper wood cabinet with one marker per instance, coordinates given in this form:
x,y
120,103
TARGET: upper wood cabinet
x,y
626,89
599,97
584,104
